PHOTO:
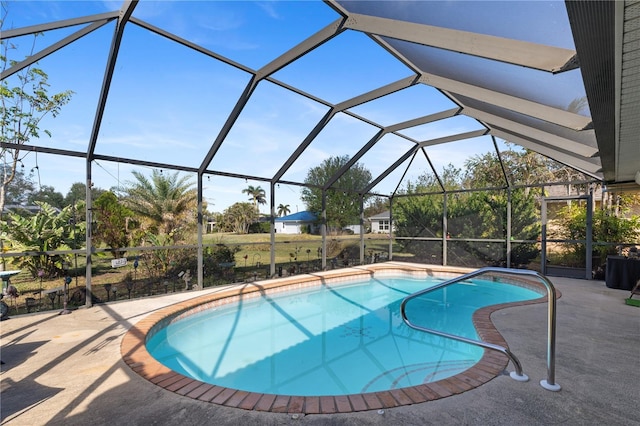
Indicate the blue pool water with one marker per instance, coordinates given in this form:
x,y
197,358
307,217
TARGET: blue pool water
x,y
332,340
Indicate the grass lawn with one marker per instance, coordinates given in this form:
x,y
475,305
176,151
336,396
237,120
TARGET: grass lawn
x,y
252,258
304,247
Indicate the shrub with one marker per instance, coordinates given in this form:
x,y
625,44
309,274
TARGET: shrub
x,y
260,228
607,228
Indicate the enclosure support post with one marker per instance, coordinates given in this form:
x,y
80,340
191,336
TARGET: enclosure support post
x,y
445,231
362,247
125,13
543,245
589,243
272,230
390,228
88,232
323,229
509,227
200,277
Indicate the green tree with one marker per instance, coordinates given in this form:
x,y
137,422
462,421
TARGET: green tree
x,y
484,171
527,167
283,209
474,214
165,203
18,191
48,230
256,195
113,222
523,167
623,203
376,206
418,215
78,191
221,222
24,103
343,204
47,194
239,216
487,210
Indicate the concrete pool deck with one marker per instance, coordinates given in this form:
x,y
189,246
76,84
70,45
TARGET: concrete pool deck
x,y
68,369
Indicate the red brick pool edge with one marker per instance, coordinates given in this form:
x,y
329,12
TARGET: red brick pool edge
x,y
491,365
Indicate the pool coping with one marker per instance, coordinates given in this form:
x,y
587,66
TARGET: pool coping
x,y
491,365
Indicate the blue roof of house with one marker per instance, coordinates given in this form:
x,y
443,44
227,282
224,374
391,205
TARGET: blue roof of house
x,y
304,216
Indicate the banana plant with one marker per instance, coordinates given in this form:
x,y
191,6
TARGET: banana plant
x,y
36,236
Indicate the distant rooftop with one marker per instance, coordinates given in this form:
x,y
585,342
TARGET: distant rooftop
x,y
30,208
383,215
304,216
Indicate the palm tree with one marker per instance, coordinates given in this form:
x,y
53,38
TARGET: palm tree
x,y
166,202
256,194
577,105
283,209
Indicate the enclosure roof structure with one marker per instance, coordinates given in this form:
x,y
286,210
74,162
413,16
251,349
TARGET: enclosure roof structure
x,y
514,71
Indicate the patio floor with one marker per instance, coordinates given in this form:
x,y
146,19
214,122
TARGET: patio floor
x,y
67,369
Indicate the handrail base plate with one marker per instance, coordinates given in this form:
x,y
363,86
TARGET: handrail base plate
x,y
554,387
519,377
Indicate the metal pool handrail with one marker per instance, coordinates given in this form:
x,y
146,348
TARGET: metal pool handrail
x,y
549,383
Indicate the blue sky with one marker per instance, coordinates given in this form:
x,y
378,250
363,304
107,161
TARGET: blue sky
x,y
167,103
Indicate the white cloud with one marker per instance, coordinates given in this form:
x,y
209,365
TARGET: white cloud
x,y
269,8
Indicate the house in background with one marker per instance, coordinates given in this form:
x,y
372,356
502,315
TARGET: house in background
x,y
381,223
294,223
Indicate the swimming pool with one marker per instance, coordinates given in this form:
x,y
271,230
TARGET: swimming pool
x,y
335,339
364,320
